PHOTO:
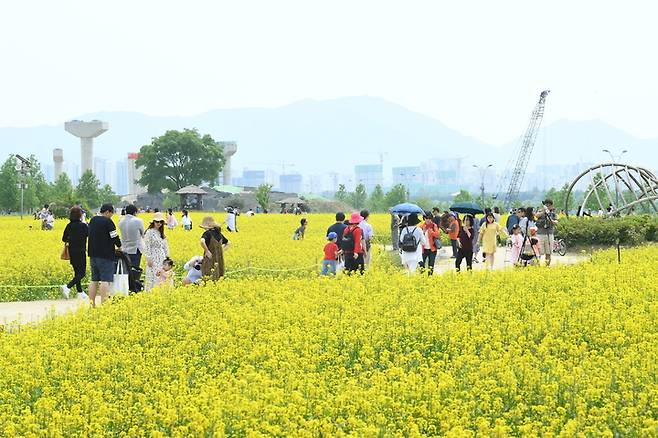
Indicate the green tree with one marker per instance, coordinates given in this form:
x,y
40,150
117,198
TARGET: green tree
x,y
61,191
263,195
376,202
106,194
9,191
593,201
171,200
463,196
341,194
359,197
559,197
397,195
37,193
88,190
178,159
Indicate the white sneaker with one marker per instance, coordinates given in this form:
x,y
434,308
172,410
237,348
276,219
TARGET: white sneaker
x,y
83,296
66,291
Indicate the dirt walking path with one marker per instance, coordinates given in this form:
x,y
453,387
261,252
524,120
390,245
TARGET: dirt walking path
x,y
444,263
24,312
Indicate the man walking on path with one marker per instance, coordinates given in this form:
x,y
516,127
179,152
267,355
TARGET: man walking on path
x,y
132,233
546,221
103,237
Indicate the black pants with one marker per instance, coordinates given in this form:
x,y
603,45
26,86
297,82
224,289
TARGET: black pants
x,y
79,263
429,257
464,254
353,264
453,243
135,259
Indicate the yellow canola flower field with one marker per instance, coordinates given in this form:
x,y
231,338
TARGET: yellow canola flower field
x,y
263,244
566,351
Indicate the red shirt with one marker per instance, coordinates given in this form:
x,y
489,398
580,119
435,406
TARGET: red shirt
x,y
358,235
330,250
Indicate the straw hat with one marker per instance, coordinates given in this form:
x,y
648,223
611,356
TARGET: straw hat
x,y
208,223
158,217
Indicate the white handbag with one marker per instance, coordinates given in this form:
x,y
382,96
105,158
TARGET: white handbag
x,y
120,285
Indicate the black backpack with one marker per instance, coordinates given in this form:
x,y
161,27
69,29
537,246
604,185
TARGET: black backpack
x,y
409,242
347,243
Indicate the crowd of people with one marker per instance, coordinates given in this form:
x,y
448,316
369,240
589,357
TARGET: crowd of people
x,y
418,238
529,232
108,247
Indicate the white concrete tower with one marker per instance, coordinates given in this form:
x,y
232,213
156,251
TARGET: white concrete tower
x,y
230,148
58,161
87,131
134,173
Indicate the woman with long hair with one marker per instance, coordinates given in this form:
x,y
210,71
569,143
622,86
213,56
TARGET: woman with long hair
x,y
465,243
156,249
75,238
489,231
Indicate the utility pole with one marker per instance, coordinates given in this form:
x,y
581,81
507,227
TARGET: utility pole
x,y
22,166
483,172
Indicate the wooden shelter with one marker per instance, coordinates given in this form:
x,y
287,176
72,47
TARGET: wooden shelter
x,y
191,197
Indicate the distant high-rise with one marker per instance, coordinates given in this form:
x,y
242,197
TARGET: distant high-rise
x,y
369,175
102,171
252,178
73,171
290,183
410,177
121,181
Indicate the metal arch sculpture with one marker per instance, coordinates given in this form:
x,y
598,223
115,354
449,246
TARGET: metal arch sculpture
x,y
640,184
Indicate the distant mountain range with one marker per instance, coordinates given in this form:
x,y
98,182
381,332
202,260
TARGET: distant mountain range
x,y
332,135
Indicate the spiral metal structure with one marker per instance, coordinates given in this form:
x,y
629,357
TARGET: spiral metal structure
x,y
618,189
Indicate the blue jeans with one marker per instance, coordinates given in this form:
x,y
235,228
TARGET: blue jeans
x,y
328,267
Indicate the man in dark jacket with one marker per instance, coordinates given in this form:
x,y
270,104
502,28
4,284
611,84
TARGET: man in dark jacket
x,y
103,237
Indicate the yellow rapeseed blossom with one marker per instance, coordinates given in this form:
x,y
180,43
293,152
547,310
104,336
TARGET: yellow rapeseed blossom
x,y
264,245
566,351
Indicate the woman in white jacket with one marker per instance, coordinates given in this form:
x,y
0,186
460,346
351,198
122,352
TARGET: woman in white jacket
x,y
411,248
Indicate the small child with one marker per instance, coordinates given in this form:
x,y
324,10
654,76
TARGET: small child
x,y
193,268
331,253
299,232
517,243
165,276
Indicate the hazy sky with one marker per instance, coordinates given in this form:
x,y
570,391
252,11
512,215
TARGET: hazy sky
x,y
478,66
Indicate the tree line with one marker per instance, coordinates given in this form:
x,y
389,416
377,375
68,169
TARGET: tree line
x,y
38,192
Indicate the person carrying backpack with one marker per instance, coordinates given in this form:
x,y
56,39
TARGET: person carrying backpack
x,y
412,240
352,245
433,238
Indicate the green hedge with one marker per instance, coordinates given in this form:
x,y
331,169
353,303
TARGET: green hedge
x,y
631,230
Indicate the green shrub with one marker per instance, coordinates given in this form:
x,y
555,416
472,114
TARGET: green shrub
x,y
630,230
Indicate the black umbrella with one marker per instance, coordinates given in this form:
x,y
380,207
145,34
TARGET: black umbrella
x,y
466,208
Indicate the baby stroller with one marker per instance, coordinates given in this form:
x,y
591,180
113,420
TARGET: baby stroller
x,y
528,255
135,283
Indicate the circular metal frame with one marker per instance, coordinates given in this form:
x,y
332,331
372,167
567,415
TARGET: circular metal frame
x,y
638,181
